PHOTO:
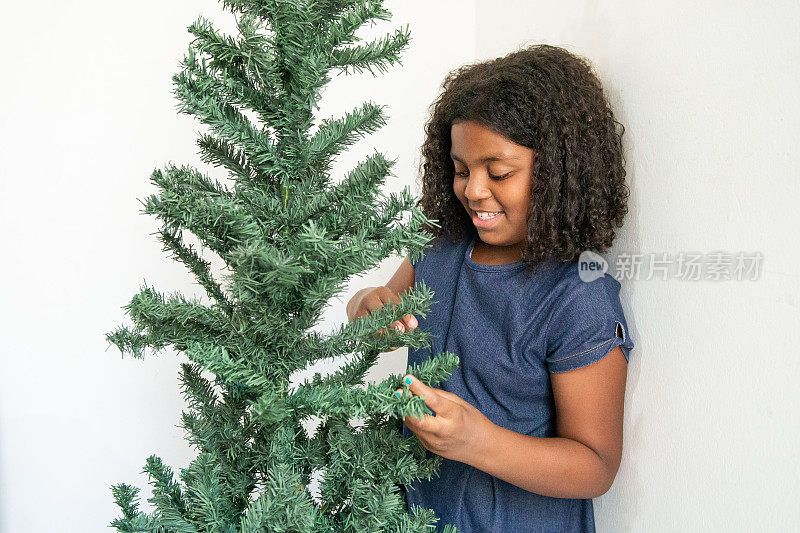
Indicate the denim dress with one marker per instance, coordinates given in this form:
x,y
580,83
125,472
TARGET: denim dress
x,y
510,330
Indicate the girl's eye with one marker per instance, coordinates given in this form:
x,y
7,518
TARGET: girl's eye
x,y
464,174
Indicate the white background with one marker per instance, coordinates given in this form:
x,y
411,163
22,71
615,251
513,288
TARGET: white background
x,y
708,96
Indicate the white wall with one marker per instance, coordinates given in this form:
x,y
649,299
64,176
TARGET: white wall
x,y
708,96
87,114
708,92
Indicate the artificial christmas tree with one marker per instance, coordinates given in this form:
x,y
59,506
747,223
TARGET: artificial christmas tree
x,y
289,239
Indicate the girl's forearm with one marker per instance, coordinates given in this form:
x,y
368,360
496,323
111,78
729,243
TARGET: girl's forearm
x,y
556,466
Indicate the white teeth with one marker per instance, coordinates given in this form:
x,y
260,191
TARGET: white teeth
x,y
487,216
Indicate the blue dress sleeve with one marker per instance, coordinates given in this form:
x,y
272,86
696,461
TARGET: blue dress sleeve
x,y
587,322
419,260
416,261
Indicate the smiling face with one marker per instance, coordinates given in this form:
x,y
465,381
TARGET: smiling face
x,y
493,173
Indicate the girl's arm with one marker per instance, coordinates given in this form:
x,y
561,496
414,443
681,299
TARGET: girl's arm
x,y
581,462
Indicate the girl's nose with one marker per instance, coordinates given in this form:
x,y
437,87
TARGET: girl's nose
x,y
476,189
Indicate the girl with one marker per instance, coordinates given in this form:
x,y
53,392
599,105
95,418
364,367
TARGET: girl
x,y
523,170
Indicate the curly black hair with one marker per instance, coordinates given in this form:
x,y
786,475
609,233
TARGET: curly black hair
x,y
545,98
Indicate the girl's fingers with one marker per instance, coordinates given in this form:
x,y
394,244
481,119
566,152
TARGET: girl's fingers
x,y
413,423
397,326
408,322
418,388
400,327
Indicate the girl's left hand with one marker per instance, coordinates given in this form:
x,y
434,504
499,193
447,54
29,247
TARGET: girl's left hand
x,y
457,432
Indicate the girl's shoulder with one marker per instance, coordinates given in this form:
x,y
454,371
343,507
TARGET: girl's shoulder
x,y
565,288
573,280
585,319
579,275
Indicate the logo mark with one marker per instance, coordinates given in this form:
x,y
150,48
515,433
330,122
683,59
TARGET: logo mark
x,y
591,266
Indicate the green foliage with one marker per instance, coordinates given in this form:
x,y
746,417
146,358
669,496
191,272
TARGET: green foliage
x,y
289,239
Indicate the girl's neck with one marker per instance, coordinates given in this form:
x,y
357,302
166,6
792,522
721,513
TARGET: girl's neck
x,y
487,254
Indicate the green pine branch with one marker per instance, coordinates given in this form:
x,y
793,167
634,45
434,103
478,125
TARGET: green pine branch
x,y
188,200
220,152
381,55
341,29
349,198
195,89
335,134
249,75
201,268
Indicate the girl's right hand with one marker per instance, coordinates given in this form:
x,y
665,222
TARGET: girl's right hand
x,y
375,298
